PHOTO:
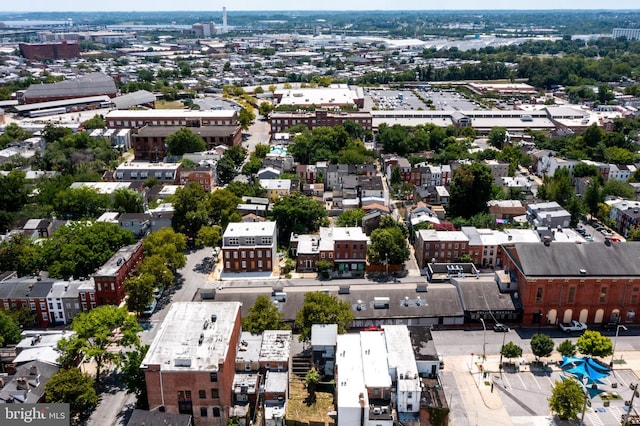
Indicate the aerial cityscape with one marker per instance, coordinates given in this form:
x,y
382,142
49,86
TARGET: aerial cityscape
x,y
367,214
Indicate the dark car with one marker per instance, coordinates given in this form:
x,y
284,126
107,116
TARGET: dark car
x,y
610,325
502,328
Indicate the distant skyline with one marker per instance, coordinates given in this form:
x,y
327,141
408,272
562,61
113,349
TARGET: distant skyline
x,y
284,5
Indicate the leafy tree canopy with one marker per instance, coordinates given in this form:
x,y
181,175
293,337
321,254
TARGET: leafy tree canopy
x,y
80,247
10,332
592,343
567,398
541,345
263,315
184,141
470,190
298,214
322,308
73,387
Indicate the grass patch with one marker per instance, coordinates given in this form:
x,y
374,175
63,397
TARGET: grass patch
x,y
300,408
162,104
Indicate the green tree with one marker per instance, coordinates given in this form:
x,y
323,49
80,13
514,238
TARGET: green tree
x,y
351,217
396,176
593,196
209,236
80,203
13,191
237,154
567,399
74,388
100,330
633,234
260,150
497,137
265,108
263,315
127,200
322,308
226,170
95,122
298,214
79,248
592,343
465,258
567,348
170,245
139,292
223,207
470,190
191,210
311,380
184,141
10,332
156,266
246,117
511,350
133,375
252,167
619,189
388,244
541,345
19,253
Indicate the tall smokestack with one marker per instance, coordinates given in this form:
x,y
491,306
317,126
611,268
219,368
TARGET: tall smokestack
x,y
224,19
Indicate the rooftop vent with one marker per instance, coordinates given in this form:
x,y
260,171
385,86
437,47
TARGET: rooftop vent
x,y
583,272
214,317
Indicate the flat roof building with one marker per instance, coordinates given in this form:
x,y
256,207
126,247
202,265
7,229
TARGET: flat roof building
x,y
189,367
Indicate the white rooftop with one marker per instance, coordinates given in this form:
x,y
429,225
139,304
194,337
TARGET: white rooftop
x,y
170,113
350,378
177,345
241,229
374,359
275,346
324,334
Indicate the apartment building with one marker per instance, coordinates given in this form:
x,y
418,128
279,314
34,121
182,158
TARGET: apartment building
x,y
189,368
129,119
109,278
282,121
249,247
439,246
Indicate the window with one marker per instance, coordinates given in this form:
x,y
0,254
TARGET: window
x,y
203,411
234,241
539,295
251,254
216,411
243,254
603,295
235,254
268,253
250,241
634,298
51,306
266,240
572,295
226,255
215,393
213,376
259,263
244,264
184,395
202,394
228,265
409,395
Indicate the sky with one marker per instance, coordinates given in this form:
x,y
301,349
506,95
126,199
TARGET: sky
x,y
213,5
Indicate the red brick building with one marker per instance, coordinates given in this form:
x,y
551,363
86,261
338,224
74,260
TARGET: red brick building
x,y
129,119
281,121
109,279
149,142
43,51
443,246
203,176
249,247
30,294
190,366
591,283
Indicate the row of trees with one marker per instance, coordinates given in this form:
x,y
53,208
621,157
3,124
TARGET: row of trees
x,y
164,255
75,250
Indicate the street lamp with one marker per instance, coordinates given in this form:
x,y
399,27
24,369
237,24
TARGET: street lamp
x,y
484,339
615,340
386,261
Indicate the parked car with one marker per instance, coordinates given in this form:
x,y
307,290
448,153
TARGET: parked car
x,y
611,325
150,309
573,326
502,328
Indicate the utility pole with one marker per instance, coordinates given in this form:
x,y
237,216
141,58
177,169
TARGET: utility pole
x,y
626,417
